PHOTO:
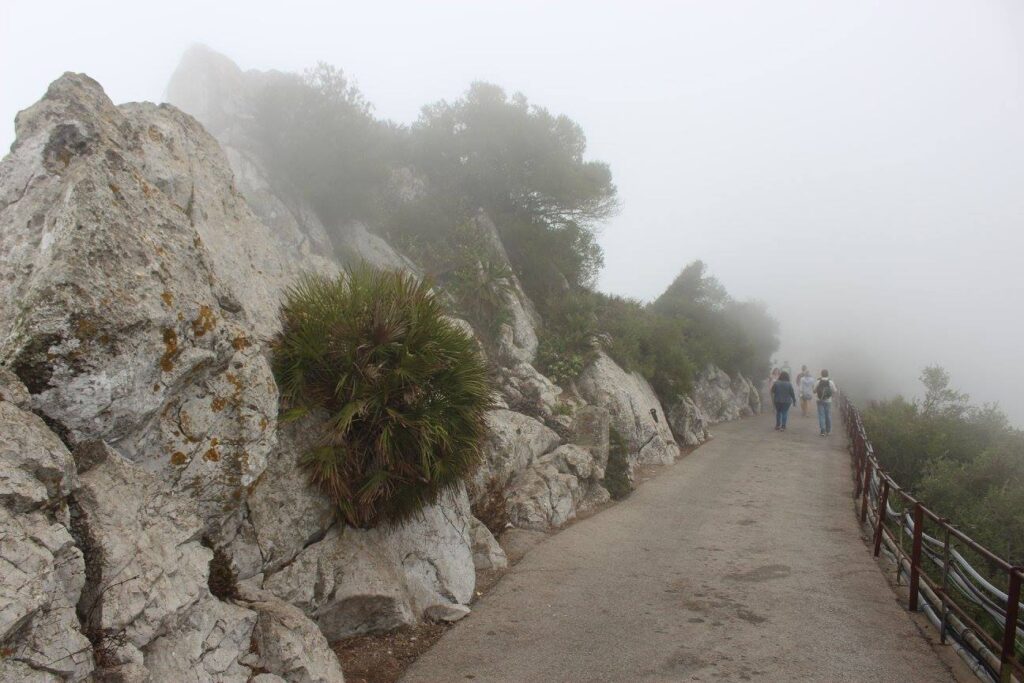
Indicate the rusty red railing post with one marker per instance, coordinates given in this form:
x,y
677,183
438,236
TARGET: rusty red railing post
x,y
1010,630
945,583
915,555
882,503
866,493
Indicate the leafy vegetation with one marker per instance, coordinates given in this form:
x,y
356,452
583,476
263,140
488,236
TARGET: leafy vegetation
x,y
489,156
693,323
616,473
964,461
403,389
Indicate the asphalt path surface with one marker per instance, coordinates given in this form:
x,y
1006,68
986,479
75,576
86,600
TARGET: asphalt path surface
x,y
742,561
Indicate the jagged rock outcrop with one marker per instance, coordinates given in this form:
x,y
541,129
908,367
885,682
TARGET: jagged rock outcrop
x,y
514,441
147,567
285,642
212,88
688,422
139,286
487,552
42,571
716,397
722,398
635,411
360,581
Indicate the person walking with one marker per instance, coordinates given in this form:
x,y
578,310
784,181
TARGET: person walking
x,y
805,386
773,377
825,389
784,398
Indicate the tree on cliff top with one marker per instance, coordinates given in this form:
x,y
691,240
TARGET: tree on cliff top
x,y
525,167
319,138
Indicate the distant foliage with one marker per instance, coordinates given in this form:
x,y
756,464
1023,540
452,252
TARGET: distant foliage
x,y
319,138
964,461
404,391
693,323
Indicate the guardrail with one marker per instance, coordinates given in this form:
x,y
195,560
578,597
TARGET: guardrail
x,y
942,582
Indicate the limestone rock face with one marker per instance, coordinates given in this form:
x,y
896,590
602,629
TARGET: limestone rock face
x,y
487,552
212,88
630,400
519,336
688,422
138,289
359,581
722,398
284,513
205,646
287,644
590,430
41,568
514,441
146,566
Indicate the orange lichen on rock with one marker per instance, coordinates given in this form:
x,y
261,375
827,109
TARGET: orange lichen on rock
x,y
178,458
204,322
170,350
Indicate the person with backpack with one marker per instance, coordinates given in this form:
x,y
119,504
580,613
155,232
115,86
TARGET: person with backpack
x,y
784,398
825,389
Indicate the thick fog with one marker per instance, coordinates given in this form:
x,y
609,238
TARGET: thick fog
x,y
859,166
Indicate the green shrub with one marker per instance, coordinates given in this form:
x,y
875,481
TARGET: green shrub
x,y
405,391
616,473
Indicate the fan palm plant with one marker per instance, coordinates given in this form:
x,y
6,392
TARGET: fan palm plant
x,y
404,391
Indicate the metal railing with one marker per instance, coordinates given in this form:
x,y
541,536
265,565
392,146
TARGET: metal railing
x,y
942,582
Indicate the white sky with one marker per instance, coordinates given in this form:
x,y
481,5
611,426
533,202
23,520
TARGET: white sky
x,y
858,165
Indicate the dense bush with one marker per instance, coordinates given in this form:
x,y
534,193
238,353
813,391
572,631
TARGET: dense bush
x,y
404,391
965,462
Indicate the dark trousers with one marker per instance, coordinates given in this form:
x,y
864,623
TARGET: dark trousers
x,y
781,413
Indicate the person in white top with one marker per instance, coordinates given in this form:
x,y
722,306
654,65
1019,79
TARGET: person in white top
x,y
805,387
825,389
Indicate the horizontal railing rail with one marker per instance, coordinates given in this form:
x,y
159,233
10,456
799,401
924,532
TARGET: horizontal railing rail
x,y
941,580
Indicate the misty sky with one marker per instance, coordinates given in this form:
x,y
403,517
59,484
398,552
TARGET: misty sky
x,y
857,165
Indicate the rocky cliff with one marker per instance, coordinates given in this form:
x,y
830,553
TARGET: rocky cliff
x,y
156,525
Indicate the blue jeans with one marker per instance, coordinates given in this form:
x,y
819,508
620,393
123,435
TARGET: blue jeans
x,y
825,416
782,414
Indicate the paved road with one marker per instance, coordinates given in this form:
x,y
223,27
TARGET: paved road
x,y
742,561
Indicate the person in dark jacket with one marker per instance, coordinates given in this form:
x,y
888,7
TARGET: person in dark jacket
x,y
784,397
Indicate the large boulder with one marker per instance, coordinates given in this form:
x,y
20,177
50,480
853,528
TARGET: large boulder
x,y
722,398
359,581
42,571
138,290
287,644
514,441
557,487
635,411
688,422
208,645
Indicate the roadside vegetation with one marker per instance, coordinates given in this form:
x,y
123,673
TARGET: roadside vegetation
x,y
964,461
493,156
